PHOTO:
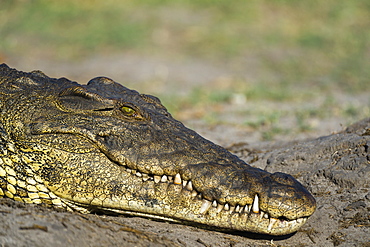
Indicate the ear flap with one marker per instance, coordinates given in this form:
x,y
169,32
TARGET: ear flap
x,y
78,98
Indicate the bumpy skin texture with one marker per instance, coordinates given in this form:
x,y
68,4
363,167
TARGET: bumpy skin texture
x,y
103,147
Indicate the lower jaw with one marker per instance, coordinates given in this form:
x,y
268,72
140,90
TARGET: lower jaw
x,y
177,204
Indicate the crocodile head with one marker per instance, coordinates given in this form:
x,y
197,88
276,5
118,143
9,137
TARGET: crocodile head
x,y
104,147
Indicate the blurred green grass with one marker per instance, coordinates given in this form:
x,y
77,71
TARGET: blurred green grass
x,y
303,48
322,41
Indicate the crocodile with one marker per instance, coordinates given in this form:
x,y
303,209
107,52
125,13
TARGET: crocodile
x,y
102,147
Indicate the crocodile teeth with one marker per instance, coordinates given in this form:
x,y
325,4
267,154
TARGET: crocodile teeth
x,y
157,179
271,224
205,206
194,193
246,209
255,206
164,179
263,215
214,203
177,179
219,208
237,209
138,174
226,207
189,186
184,182
146,177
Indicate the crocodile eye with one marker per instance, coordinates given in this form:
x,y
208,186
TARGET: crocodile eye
x,y
129,112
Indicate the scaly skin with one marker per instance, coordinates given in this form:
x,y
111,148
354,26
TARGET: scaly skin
x,y
103,147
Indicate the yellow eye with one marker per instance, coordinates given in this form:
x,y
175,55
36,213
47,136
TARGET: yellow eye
x,y
128,111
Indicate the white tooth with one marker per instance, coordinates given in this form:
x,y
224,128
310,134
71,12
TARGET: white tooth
x,y
205,206
271,224
261,215
184,182
232,209
266,216
214,203
194,193
226,207
189,186
157,179
219,208
164,179
237,209
255,206
246,209
177,179
129,170
170,178
146,177
138,174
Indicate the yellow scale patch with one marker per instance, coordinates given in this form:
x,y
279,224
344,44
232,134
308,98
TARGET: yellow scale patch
x,y
2,171
27,200
12,180
32,188
8,194
33,195
7,161
21,183
31,181
44,195
17,198
41,187
10,171
11,189
37,191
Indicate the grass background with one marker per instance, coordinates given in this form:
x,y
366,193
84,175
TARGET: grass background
x,y
305,61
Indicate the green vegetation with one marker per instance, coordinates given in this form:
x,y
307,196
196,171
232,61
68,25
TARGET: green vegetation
x,y
302,49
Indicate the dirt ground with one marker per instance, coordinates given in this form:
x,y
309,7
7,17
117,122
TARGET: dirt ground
x,y
335,168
